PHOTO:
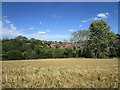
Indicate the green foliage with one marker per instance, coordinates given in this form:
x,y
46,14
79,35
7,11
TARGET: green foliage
x,y
13,55
99,39
117,45
97,42
80,36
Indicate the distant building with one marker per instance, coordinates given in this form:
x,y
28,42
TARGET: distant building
x,y
44,42
64,45
52,45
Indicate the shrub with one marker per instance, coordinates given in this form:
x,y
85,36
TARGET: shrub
x,y
13,55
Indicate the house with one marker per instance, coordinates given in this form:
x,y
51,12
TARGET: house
x,y
44,42
66,45
52,45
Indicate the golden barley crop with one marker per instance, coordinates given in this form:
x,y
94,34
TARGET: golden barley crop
x,y
60,73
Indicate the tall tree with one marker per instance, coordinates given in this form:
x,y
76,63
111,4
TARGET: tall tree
x,y
117,43
99,38
79,36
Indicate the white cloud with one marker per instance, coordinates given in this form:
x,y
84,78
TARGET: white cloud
x,y
47,37
99,16
107,13
55,16
41,32
80,25
103,15
11,30
7,21
84,20
44,32
0,28
71,30
47,30
40,22
5,16
38,35
31,28
12,27
96,18
7,31
0,24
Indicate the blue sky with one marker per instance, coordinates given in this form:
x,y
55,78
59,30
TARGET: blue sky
x,y
54,21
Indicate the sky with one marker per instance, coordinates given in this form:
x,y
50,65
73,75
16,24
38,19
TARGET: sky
x,y
54,21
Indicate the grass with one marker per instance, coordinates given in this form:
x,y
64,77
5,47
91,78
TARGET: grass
x,y
60,73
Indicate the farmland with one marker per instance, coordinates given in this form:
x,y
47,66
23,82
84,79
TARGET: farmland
x,y
60,73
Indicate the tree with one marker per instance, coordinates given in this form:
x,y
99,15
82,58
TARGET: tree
x,y
112,45
60,42
22,38
99,38
117,44
79,36
31,54
13,55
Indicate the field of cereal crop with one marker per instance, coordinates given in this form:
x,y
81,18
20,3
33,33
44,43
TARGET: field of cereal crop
x,y
60,73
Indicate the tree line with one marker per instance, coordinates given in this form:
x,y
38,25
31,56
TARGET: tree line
x,y
96,42
23,48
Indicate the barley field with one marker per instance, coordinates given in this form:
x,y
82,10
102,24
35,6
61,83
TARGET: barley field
x,y
60,73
